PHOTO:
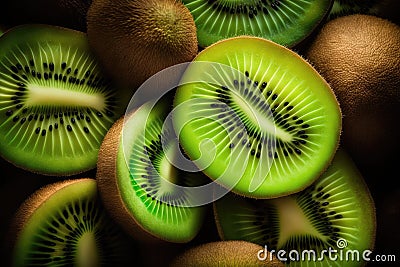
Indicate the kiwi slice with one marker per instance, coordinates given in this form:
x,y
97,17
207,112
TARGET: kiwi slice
x,y
140,186
56,105
286,22
65,224
337,213
225,253
256,118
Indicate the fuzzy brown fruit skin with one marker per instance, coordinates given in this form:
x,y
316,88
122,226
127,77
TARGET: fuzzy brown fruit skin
x,y
359,57
225,253
136,39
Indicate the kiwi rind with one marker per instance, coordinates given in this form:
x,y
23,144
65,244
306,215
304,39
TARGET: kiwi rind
x,y
65,156
190,133
358,225
118,186
225,253
136,39
287,28
48,203
108,187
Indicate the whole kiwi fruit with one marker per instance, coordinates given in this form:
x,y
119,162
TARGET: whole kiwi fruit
x,y
136,39
359,57
226,253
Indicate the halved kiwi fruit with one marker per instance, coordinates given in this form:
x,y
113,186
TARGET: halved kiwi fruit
x,y
286,22
226,253
56,104
139,184
65,224
336,213
256,118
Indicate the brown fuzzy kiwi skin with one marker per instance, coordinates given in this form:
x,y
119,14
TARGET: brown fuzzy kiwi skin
x,y
109,191
358,55
29,206
224,253
136,39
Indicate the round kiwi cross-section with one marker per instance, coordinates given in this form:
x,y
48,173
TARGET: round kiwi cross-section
x,y
256,118
56,105
286,22
336,214
65,224
139,183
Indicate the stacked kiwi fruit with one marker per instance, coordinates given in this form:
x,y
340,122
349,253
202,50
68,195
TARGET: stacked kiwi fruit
x,y
197,132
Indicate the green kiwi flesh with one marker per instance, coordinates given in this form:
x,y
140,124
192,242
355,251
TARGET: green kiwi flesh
x,y
55,103
286,22
336,212
137,180
224,253
273,121
65,224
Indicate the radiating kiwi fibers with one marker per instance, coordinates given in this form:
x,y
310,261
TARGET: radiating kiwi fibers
x,y
137,179
336,212
55,103
65,224
273,120
286,22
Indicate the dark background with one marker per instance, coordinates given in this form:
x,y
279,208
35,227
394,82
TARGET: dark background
x,y
16,184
